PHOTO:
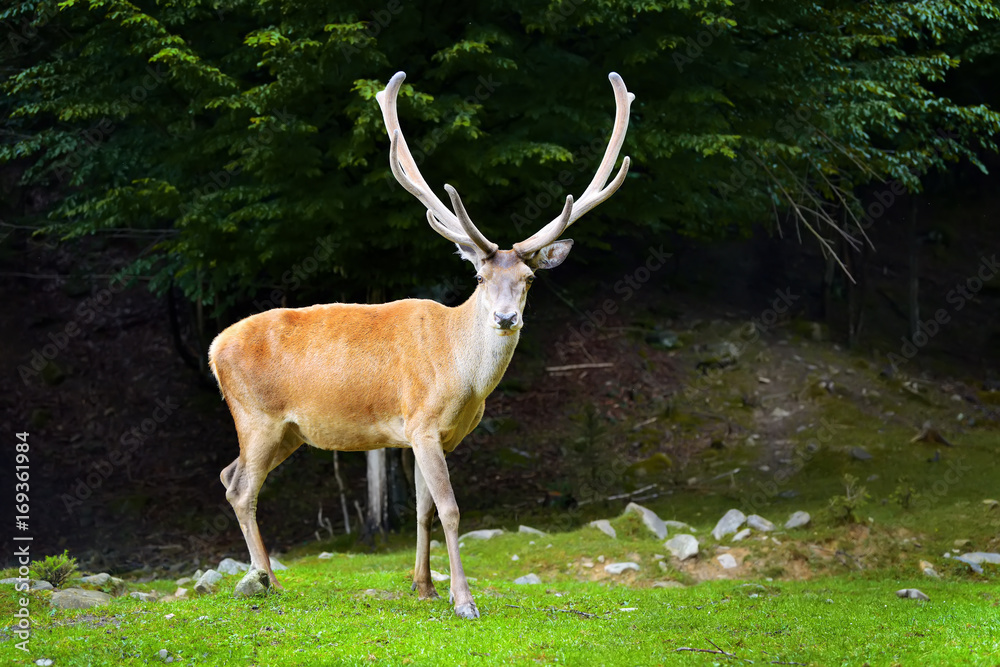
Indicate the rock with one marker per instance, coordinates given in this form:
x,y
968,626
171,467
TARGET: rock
x,y
618,568
184,581
529,530
275,565
758,522
860,454
928,569
668,584
662,565
528,579
105,580
992,504
682,546
973,565
44,662
78,598
515,557
486,534
729,523
779,413
604,526
142,597
679,525
797,520
254,582
42,586
912,594
180,593
649,519
206,582
326,555
980,557
230,566
435,544
742,535
437,576
726,561
197,574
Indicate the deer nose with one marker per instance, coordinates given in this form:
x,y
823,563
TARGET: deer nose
x,y
505,320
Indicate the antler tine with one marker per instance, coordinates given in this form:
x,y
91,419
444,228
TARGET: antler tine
x,y
599,189
404,168
485,245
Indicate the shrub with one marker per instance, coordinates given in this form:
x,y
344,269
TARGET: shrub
x,y
56,570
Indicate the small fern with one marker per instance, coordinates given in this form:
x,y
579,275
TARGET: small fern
x,y
56,570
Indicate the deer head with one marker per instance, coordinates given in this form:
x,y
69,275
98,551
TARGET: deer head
x,y
504,276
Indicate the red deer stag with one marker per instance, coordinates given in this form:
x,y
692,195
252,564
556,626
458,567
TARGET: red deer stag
x,y
410,373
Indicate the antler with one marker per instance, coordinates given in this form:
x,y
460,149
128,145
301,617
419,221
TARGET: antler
x,y
455,226
599,189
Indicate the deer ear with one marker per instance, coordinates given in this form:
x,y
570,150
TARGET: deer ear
x,y
470,253
551,256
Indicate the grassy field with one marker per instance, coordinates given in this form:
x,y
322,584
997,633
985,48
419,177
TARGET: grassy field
x,y
358,609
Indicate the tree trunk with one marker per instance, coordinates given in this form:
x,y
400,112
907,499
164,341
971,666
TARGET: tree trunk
x,y
914,247
376,514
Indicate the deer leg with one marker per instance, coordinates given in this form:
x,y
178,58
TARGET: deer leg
x,y
425,514
430,460
243,479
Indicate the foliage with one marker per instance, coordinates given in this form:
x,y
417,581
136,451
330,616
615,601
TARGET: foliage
x,y
230,137
56,570
847,508
905,494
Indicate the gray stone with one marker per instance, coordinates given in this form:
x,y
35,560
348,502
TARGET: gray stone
x,y
435,544
207,581
254,582
729,523
437,576
726,561
230,566
485,534
797,520
682,546
184,581
275,565
649,519
668,584
529,530
78,598
912,594
528,579
758,522
679,525
860,454
604,526
742,535
618,568
12,580
142,597
42,586
326,555
105,580
980,557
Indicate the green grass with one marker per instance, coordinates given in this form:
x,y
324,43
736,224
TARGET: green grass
x,y
358,609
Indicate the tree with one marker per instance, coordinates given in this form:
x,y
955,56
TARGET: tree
x,y
243,141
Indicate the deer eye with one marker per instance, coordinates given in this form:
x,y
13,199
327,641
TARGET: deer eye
x,y
480,279
529,280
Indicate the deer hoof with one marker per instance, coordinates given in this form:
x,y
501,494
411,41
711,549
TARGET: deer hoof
x,y
254,582
425,591
467,610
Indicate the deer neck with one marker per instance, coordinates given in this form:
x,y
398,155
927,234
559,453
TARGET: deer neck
x,y
481,354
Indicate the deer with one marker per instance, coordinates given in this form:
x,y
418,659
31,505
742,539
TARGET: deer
x,y
411,373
